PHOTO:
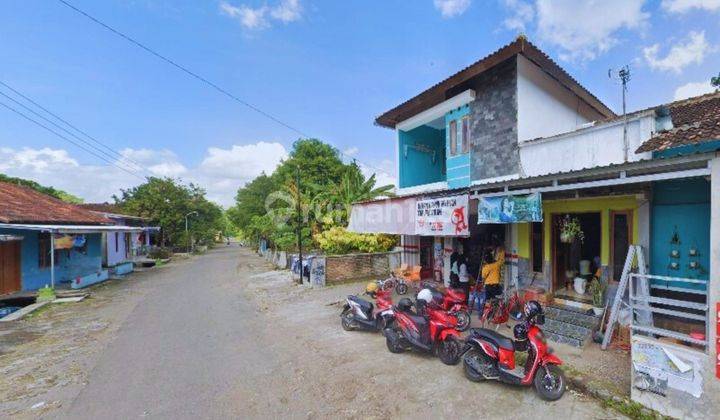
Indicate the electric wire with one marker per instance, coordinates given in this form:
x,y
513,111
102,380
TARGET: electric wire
x,y
119,155
202,79
104,153
3,104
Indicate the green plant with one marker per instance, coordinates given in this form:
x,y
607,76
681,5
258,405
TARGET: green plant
x,y
597,289
570,229
338,240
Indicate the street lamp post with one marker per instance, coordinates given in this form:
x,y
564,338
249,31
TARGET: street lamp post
x,y
187,237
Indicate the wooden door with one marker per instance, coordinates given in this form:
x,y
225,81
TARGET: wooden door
x,y
9,267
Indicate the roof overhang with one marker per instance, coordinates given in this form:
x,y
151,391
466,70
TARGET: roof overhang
x,y
438,111
439,92
74,229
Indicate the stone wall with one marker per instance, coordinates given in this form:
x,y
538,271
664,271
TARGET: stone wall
x,y
493,123
342,268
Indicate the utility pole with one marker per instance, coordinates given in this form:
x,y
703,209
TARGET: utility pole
x,y
624,76
187,236
298,208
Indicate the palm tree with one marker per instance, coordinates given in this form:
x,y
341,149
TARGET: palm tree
x,y
352,188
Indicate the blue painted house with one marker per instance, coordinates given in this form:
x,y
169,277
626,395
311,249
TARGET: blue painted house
x,y
45,241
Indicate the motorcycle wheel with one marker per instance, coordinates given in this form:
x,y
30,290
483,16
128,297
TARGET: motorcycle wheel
x,y
463,320
401,288
449,351
346,319
471,373
550,385
393,341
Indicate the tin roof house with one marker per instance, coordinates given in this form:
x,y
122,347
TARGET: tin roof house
x,y
45,241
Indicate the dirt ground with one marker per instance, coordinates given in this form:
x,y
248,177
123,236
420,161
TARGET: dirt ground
x,y
300,364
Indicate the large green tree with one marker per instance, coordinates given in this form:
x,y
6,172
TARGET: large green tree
x,y
250,200
166,202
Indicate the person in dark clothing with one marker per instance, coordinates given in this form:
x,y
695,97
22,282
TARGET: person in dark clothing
x,y
491,276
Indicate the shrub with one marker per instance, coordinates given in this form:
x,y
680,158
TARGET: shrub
x,y
338,240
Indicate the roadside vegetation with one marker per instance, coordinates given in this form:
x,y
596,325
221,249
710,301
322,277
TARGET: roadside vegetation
x,y
273,206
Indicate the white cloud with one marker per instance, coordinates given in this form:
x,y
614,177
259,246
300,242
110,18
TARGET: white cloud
x,y
586,29
382,171
351,151
287,11
255,18
683,6
681,55
451,8
522,13
221,172
691,89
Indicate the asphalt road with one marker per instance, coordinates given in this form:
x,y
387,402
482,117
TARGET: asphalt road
x,y
180,351
221,336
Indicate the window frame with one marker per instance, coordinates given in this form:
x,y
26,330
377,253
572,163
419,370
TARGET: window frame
x,y
465,124
452,128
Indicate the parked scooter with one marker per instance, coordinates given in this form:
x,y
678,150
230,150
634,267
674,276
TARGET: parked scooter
x,y
490,355
359,313
432,330
454,301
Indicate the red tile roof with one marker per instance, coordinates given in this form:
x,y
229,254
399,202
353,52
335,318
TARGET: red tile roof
x,y
695,120
437,93
20,204
101,207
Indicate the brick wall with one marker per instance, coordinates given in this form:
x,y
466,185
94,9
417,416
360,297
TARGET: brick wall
x,y
341,268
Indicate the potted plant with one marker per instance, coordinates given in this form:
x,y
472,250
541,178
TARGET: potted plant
x,y
570,230
597,289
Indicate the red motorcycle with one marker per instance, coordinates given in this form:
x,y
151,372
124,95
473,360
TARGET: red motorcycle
x,y
497,310
454,301
490,355
432,333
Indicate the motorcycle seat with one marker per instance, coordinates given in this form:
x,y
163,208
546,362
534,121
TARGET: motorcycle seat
x,y
494,337
364,304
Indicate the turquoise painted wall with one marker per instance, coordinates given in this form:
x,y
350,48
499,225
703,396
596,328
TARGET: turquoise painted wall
x,y
458,166
68,265
681,206
418,168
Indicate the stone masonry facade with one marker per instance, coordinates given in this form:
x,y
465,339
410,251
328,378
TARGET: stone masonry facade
x,y
341,268
493,123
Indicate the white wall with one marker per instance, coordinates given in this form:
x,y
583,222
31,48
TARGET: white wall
x,y
545,107
600,145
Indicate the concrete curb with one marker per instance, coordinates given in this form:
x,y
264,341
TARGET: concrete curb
x,y
19,314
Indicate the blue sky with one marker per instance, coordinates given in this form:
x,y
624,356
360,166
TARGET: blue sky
x,y
325,67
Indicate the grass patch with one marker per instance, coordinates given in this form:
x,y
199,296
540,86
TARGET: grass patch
x,y
159,262
633,410
39,311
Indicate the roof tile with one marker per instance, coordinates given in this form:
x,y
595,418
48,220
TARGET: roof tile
x,y
20,204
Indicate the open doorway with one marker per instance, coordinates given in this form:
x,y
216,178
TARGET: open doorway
x,y
577,258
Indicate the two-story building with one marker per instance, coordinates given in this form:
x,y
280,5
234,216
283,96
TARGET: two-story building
x,y
511,151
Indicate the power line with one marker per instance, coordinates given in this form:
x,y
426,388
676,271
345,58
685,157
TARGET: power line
x,y
104,153
200,78
68,140
93,139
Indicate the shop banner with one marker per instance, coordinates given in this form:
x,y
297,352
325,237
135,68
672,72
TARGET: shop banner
x,y
69,241
443,216
510,209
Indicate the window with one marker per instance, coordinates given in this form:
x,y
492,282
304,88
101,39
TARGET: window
x,y
117,244
536,236
465,134
453,137
43,250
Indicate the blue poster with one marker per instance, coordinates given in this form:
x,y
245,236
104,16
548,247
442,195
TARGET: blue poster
x,y
510,209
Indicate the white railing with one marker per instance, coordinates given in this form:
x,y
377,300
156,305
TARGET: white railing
x,y
641,301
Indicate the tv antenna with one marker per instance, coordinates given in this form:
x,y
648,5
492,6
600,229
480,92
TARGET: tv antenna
x,y
624,76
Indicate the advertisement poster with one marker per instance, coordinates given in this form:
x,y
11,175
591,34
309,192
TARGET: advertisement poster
x,y
445,216
510,209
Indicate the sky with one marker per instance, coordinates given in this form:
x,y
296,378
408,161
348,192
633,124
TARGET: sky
x,y
326,68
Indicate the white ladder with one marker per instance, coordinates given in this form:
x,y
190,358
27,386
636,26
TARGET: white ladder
x,y
644,316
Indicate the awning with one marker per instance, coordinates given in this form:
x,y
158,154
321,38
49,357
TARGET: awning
x,y
76,229
394,216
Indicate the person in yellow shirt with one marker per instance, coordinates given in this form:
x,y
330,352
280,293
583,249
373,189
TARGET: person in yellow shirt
x,y
491,276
